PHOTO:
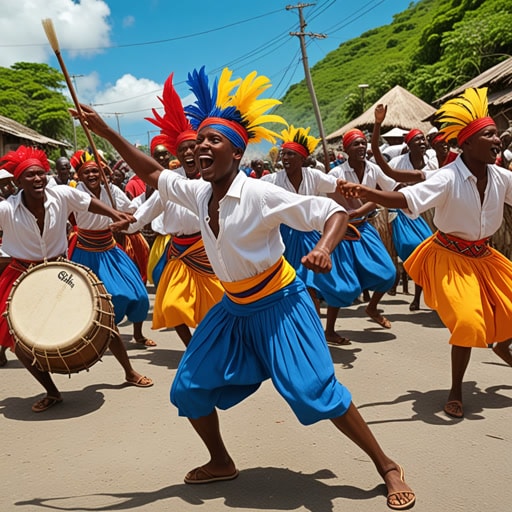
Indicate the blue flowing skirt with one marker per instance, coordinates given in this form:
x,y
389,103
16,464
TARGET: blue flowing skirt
x,y
236,347
372,263
339,287
121,279
408,233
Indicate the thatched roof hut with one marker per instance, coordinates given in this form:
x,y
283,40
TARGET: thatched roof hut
x,y
12,134
499,81
405,111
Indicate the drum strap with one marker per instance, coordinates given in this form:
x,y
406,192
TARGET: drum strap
x,y
95,240
473,249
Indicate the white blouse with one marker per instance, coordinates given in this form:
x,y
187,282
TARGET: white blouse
x,y
250,213
453,192
94,221
22,238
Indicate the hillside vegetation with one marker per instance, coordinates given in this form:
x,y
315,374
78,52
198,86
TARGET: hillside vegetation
x,y
429,49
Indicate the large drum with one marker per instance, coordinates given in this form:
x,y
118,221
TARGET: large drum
x,y
60,314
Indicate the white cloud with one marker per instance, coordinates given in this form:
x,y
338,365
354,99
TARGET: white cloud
x,y
82,28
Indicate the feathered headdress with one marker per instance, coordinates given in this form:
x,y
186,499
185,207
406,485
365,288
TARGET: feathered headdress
x,y
174,125
465,115
299,140
22,158
233,107
82,159
162,140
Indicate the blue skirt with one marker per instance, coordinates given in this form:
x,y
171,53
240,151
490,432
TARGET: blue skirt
x,y
372,263
236,347
339,287
121,279
408,233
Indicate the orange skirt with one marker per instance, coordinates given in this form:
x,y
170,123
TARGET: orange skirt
x,y
471,295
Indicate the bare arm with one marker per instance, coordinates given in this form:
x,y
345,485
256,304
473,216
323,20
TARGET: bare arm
x,y
382,197
404,176
319,259
143,165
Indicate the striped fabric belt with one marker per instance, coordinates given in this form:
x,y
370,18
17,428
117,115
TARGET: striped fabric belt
x,y
95,240
279,275
473,249
190,250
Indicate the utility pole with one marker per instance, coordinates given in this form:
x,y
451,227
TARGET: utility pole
x,y
302,35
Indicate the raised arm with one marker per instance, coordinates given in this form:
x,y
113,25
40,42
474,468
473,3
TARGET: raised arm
x,y
143,165
403,176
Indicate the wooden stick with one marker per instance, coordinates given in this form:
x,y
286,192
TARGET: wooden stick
x,y
54,43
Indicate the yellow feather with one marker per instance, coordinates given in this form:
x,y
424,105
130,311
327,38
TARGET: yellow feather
x,y
225,87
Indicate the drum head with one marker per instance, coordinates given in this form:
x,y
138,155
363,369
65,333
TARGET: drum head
x,y
52,305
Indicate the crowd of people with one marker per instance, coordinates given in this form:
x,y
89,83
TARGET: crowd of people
x,y
243,261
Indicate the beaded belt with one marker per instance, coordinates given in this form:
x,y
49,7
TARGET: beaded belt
x,y
473,249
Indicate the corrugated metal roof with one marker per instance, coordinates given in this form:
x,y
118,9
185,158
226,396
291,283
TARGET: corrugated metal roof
x,y
405,110
24,132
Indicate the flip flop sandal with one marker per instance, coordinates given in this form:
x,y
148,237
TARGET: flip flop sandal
x,y
45,403
201,475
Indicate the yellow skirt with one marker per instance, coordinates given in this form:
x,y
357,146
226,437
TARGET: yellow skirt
x,y
471,295
157,249
184,296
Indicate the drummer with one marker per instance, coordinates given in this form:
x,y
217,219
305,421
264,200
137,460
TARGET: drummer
x,y
34,226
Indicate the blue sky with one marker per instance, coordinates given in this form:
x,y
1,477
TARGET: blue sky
x,y
120,52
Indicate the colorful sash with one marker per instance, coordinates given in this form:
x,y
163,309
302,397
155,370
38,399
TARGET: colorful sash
x,y
95,240
279,275
190,250
473,249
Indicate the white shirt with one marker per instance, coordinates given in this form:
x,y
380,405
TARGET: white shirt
x,y
403,163
314,182
22,238
175,219
373,176
93,221
452,191
250,214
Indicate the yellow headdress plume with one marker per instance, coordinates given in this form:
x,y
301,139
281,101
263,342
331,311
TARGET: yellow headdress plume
x,y
233,107
464,115
299,140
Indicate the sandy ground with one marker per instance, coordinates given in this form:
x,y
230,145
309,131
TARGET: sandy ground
x,y
114,447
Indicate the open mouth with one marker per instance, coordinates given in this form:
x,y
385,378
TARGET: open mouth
x,y
189,162
205,162
495,151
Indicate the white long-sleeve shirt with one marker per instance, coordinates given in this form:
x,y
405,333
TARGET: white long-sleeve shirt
x,y
373,176
453,192
22,238
314,182
250,214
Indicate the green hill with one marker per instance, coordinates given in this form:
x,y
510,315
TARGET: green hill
x,y
429,49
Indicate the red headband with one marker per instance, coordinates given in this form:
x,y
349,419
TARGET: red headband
x,y
298,148
351,136
232,130
473,127
16,162
184,136
413,133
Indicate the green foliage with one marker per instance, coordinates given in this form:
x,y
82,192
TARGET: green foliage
x,y
429,49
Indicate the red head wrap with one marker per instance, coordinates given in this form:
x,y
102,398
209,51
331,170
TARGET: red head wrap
x,y
160,140
82,160
184,136
298,148
16,162
413,133
232,130
473,127
351,136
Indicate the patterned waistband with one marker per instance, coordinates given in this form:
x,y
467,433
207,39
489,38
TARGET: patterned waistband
x,y
473,249
255,288
190,250
95,240
24,265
